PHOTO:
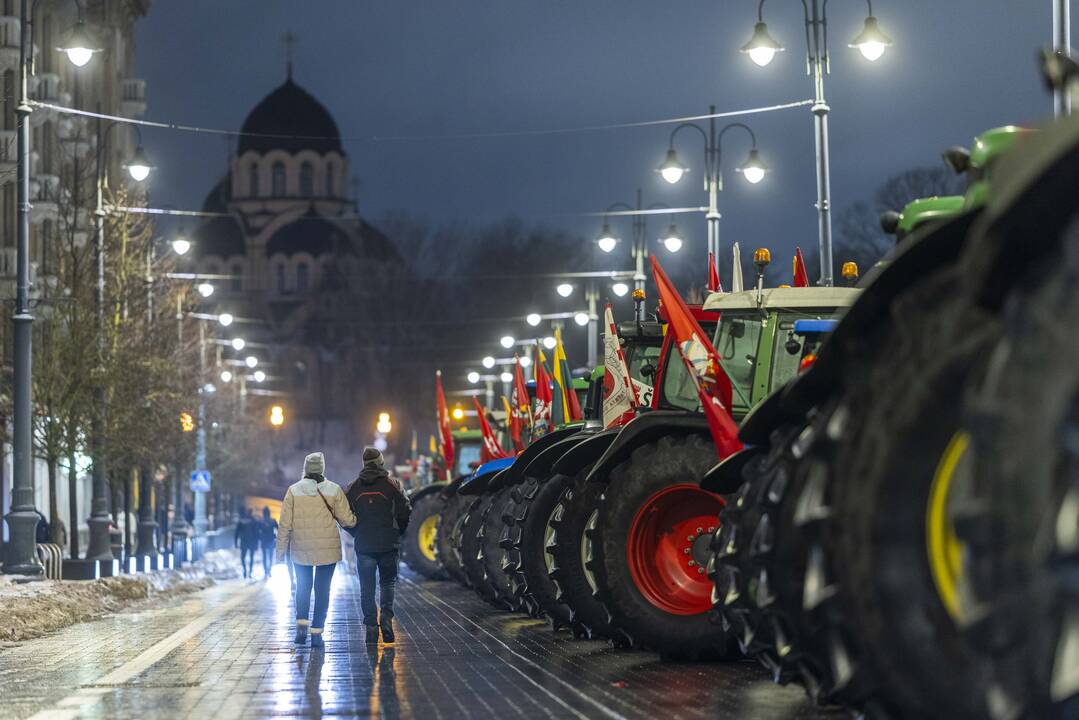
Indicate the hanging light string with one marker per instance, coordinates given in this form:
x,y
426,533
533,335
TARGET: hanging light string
x,y
386,138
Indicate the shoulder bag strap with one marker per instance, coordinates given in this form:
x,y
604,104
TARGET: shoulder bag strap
x,y
327,504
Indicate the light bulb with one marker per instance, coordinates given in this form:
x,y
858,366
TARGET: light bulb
x,y
259,376
762,55
607,243
507,377
872,51
180,246
581,318
549,342
226,376
753,174
488,362
473,377
225,319
238,344
526,361
251,361
534,319
507,341
565,289
673,243
620,289
205,289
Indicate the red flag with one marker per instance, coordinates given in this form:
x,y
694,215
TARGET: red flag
x,y
544,398
702,362
619,395
801,277
491,450
444,425
520,410
714,285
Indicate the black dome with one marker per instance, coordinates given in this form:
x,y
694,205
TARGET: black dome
x,y
309,233
290,110
221,236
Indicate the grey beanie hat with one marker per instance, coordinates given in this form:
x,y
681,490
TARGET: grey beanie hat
x,y
314,464
372,456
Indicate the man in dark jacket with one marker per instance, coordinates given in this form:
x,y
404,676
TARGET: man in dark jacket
x,y
382,511
247,538
267,540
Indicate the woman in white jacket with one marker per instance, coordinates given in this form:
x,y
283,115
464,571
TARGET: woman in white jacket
x,y
312,510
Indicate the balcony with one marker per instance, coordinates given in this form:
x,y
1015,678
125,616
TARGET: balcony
x,y
133,98
10,30
8,151
44,198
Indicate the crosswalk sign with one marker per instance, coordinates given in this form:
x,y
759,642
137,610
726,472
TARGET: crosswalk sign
x,y
200,481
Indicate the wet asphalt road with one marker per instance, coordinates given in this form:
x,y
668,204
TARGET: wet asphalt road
x,y
226,652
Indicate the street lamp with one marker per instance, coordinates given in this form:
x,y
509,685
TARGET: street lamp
x,y
534,319
620,289
549,342
79,46
606,240
672,169
259,376
205,289
139,167
525,361
226,376
238,344
580,318
672,240
507,341
564,289
251,361
488,362
473,377
872,43
181,245
225,319
277,416
384,425
639,251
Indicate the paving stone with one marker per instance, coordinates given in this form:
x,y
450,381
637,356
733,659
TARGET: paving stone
x,y
455,657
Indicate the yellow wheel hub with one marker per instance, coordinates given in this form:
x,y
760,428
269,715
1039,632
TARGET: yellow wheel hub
x,y
428,532
944,549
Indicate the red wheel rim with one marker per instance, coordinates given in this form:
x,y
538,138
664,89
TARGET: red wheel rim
x,y
675,519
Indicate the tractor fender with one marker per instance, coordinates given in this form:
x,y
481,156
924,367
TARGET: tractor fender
x,y
540,467
1032,196
426,490
642,430
727,475
478,482
515,473
927,249
585,453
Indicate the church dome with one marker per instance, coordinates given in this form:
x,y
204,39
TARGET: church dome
x,y
221,236
310,233
290,111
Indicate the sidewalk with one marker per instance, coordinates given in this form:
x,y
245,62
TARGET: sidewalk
x,y
226,652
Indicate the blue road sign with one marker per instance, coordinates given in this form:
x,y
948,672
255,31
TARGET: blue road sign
x,y
200,481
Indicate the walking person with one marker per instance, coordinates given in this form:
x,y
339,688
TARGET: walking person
x,y
247,539
382,512
267,541
312,510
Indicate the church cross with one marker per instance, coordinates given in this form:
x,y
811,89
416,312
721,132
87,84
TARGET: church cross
x,y
290,39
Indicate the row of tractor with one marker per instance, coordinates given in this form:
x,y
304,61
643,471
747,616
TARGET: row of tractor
x,y
893,520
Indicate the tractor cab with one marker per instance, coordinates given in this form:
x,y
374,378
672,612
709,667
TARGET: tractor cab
x,y
466,456
764,340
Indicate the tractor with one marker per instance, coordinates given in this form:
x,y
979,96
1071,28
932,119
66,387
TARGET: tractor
x,y
632,532
837,565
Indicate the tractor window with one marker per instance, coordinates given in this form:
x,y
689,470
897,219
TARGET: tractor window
x,y
736,344
679,390
785,364
467,455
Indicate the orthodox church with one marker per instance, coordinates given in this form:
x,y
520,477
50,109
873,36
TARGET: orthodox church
x,y
303,268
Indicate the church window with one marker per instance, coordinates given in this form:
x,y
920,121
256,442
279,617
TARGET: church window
x,y
329,181
301,277
307,180
237,278
278,179
253,181
281,282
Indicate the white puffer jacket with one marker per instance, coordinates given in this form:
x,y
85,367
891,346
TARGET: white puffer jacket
x,y
307,525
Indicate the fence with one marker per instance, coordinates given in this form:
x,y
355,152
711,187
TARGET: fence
x,y
52,557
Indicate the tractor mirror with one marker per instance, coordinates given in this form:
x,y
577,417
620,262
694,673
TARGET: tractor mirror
x,y
648,370
738,328
889,221
958,159
792,346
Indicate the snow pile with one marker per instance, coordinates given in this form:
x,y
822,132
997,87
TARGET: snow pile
x,y
32,609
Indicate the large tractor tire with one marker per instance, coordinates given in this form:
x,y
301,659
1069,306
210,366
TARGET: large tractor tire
x,y
492,556
419,547
468,544
570,551
1020,531
651,546
874,579
761,561
449,527
528,533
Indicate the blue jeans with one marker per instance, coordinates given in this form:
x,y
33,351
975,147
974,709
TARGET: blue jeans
x,y
323,576
386,565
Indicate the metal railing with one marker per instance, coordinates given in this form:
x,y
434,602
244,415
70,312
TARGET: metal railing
x,y
51,557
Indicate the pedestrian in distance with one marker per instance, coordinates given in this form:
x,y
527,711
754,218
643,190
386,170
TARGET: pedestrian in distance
x,y
382,512
312,510
267,541
247,539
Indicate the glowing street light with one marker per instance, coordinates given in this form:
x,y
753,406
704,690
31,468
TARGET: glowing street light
x,y
180,246
525,361
259,376
871,42
534,319
672,240
564,289
507,377
488,362
251,361
607,241
507,341
754,169
205,289
226,376
225,319
581,318
238,343
549,342
473,377
384,425
458,413
78,45
620,289
762,47
672,169
139,166
277,416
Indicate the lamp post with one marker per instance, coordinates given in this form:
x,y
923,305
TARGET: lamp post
x,y
1062,43
99,521
761,48
672,169
607,242
19,552
591,295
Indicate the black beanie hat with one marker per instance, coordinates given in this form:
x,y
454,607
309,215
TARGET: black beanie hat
x,y
372,456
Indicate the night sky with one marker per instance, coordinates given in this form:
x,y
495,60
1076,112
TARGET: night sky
x,y
421,69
